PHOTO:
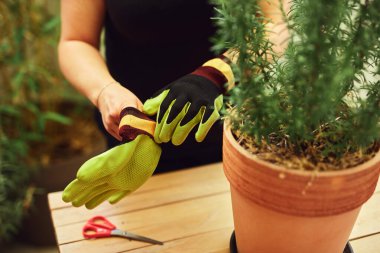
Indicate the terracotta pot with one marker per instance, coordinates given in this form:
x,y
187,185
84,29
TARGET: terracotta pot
x,y
280,210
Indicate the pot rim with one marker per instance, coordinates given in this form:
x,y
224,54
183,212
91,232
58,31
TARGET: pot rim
x,y
281,169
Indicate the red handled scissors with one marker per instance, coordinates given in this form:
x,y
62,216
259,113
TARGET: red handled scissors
x,y
99,227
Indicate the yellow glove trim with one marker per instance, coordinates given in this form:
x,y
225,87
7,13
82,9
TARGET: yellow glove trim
x,y
223,67
133,121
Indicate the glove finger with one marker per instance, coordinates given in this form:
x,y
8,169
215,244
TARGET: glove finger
x,y
117,197
204,128
89,194
193,111
169,125
210,116
177,108
152,105
165,106
73,189
97,200
107,163
183,130
218,103
160,123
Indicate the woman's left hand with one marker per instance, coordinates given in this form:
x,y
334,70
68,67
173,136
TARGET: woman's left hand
x,y
193,99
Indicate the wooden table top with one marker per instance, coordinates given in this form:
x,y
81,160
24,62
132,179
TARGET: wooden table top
x,y
189,210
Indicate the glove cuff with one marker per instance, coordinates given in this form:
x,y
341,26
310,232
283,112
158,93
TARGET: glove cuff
x,y
133,123
218,71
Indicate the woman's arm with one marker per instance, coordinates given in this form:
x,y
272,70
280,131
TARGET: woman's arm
x,y
83,65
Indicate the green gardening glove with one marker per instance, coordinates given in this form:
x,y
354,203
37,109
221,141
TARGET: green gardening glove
x,y
120,170
191,100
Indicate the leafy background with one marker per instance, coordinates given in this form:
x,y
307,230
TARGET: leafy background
x,y
38,108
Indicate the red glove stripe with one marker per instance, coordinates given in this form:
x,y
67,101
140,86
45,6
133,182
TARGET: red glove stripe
x,y
130,132
212,74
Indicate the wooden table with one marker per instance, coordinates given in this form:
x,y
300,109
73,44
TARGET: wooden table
x,y
190,210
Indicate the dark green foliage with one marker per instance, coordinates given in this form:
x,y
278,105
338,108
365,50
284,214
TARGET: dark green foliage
x,y
28,77
327,82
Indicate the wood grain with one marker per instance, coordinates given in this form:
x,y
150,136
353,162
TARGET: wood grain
x,y
190,210
368,221
164,223
160,190
217,240
160,181
369,244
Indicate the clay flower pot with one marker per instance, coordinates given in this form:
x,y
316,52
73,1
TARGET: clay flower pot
x,y
280,210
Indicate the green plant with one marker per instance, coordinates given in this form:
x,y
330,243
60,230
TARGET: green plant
x,y
319,102
29,81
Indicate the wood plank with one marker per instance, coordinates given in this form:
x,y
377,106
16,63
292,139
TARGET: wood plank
x,y
177,189
165,223
210,181
369,244
159,181
213,242
368,221
163,180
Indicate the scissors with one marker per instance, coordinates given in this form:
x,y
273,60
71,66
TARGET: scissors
x,y
99,227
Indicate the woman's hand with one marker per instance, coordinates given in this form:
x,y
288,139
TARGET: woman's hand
x,y
83,65
194,99
111,100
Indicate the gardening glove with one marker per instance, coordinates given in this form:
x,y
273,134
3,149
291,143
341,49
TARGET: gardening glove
x,y
192,99
121,170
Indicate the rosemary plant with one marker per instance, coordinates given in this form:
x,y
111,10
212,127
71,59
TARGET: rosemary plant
x,y
320,99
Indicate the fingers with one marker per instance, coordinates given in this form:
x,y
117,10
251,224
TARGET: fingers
x,y
210,116
177,115
111,124
117,197
186,119
97,200
77,189
72,190
165,106
113,129
203,129
182,130
152,105
88,194
169,123
161,118
113,100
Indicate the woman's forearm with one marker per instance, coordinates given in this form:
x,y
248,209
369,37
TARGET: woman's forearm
x,y
84,67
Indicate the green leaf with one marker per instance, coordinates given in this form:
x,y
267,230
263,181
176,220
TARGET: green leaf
x,y
9,110
51,24
53,116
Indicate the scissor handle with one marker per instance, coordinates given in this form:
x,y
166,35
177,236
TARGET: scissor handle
x,y
97,227
90,231
102,222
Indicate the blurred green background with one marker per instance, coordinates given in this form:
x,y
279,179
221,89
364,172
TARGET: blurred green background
x,y
46,127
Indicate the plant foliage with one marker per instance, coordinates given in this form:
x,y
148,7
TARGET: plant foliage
x,y
28,77
324,90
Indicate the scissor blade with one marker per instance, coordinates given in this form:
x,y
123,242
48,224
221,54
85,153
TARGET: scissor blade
x,y
118,232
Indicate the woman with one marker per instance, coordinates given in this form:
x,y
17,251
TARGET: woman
x,y
148,44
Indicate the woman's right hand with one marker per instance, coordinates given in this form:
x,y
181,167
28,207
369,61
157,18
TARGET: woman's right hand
x,y
84,66
111,100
